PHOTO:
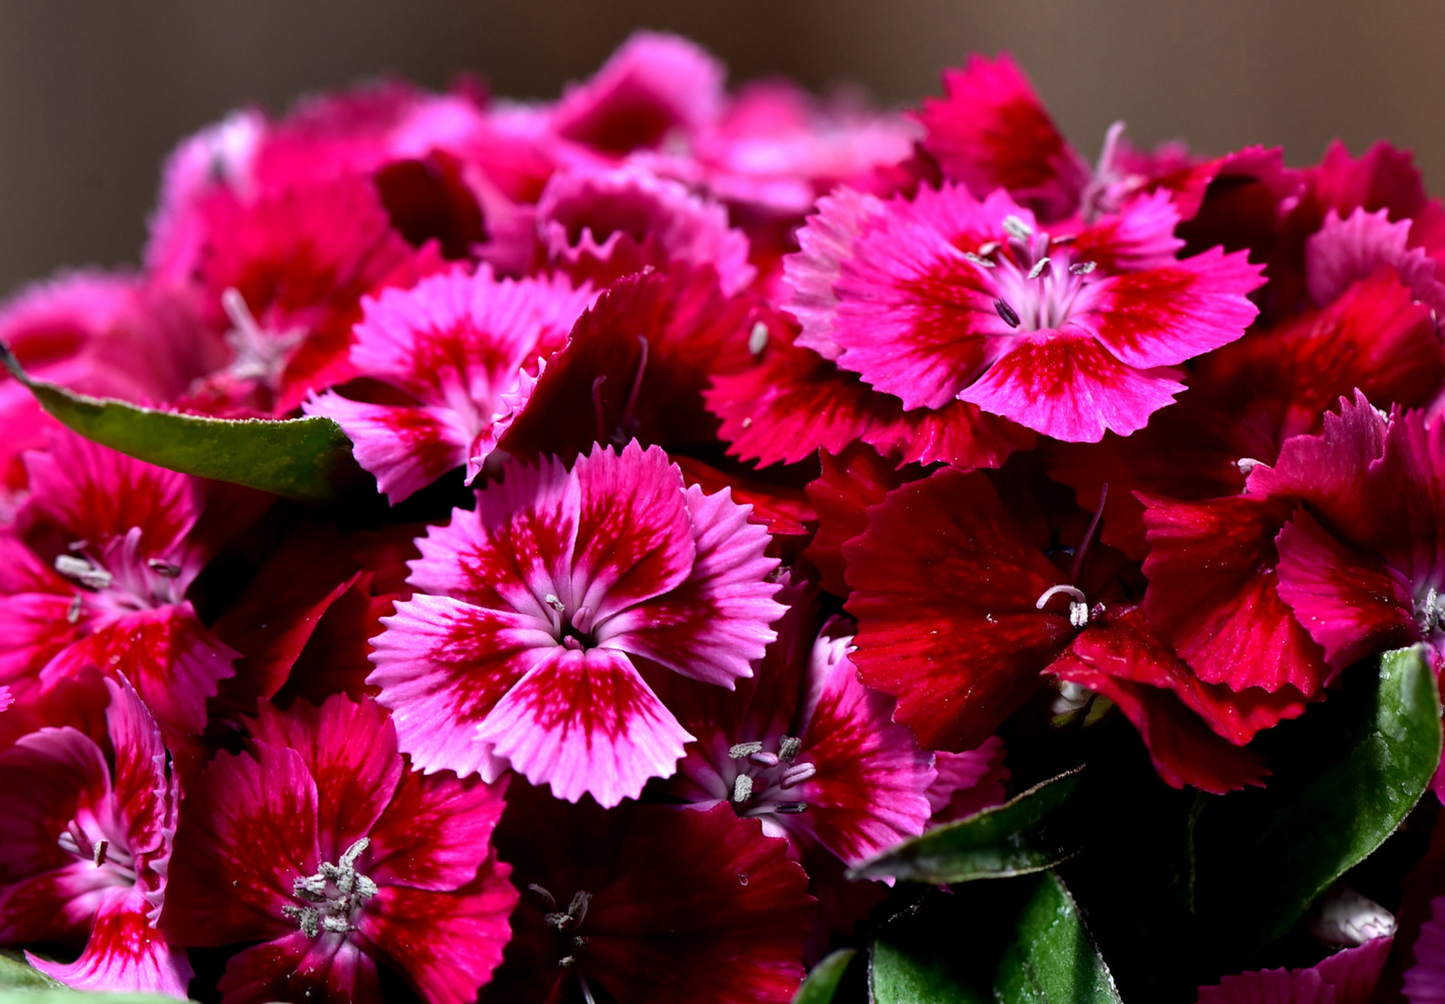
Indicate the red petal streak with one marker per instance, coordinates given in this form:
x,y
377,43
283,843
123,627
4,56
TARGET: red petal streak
x,y
247,832
442,666
944,590
298,968
445,945
436,831
124,954
1351,604
404,448
1067,386
585,722
1211,571
350,752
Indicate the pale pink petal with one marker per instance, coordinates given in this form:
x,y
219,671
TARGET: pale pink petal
x,y
404,448
1067,386
968,782
826,241
1425,980
1345,250
442,665
715,623
585,722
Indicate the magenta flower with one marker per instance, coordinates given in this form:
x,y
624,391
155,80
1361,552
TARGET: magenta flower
x,y
457,345
86,848
320,844
1347,977
805,746
1425,980
97,573
535,612
648,904
948,298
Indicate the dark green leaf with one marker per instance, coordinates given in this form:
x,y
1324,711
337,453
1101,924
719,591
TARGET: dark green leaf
x,y
1016,838
822,982
1019,942
17,974
1052,959
302,458
1263,856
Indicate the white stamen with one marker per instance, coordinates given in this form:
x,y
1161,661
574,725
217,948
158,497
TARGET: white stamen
x,y
101,846
1246,464
1078,614
1072,591
547,896
742,788
797,774
758,338
1040,267
1071,698
989,247
1344,917
555,603
788,747
1083,267
79,568
740,750
332,911
979,260
1017,228
72,615
165,569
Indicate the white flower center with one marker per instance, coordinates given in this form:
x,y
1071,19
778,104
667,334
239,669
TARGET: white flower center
x,y
333,896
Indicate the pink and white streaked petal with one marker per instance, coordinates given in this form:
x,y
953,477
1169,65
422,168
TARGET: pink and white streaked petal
x,y
713,625
1425,980
968,782
1140,236
1066,385
442,665
445,945
1345,250
124,954
143,795
1166,315
404,448
436,832
871,788
826,241
174,663
634,530
585,722
1350,603
36,631
513,550
57,905
331,967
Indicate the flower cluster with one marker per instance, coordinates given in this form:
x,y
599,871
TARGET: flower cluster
x,y
753,471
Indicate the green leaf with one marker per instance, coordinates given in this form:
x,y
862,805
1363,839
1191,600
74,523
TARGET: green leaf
x,y
1052,959
1019,942
17,974
1264,856
822,982
1016,838
308,459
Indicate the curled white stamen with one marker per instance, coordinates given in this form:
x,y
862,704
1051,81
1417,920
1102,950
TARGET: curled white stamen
x,y
1041,267
989,247
1083,267
1246,465
979,260
556,604
1017,228
742,788
758,338
1072,591
788,747
740,750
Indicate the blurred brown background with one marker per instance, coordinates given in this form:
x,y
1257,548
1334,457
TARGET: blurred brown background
x,y
93,93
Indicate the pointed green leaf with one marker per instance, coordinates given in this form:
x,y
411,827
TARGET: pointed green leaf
x,y
1264,856
1016,838
308,459
1020,942
17,974
822,982
1052,959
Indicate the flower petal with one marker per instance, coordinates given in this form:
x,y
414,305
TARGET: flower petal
x,y
436,831
298,968
124,954
404,448
585,722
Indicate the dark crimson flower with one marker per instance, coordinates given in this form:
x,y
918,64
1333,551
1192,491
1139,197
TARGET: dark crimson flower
x,y
97,570
536,613
805,746
456,345
655,87
598,224
87,842
648,903
947,298
319,843
1425,980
